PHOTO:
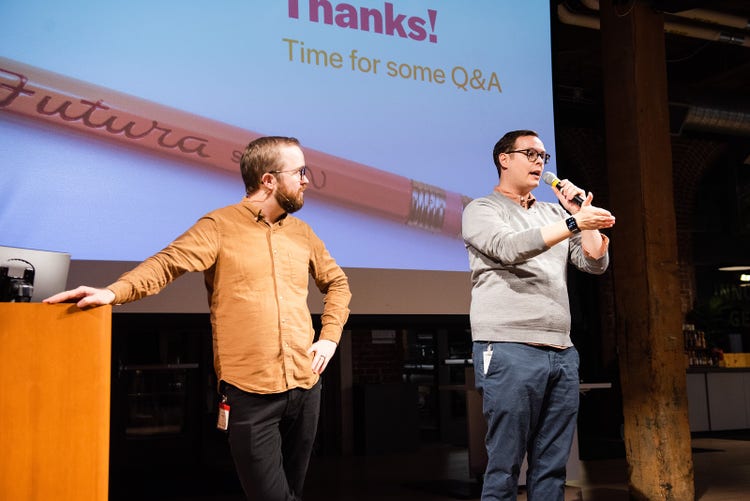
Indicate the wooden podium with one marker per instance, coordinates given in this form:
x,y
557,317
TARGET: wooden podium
x,y
54,402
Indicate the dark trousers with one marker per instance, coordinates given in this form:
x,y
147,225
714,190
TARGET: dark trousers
x,y
271,438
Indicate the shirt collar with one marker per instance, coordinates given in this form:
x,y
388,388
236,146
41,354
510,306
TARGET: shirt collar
x,y
525,202
258,215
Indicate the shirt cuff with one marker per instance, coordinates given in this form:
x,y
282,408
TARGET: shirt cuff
x,y
330,333
603,249
121,290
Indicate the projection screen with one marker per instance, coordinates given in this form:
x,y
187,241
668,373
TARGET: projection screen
x,y
121,123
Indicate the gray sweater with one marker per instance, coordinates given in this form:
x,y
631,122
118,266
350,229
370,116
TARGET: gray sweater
x,y
519,284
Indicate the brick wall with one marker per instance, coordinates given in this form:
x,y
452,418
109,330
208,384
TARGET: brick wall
x,y
376,363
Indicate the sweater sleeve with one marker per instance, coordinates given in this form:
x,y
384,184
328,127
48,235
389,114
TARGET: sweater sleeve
x,y
486,226
581,260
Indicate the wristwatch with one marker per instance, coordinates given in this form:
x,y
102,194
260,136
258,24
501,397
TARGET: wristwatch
x,y
572,225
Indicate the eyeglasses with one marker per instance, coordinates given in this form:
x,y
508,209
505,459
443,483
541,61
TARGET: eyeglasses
x,y
532,155
301,171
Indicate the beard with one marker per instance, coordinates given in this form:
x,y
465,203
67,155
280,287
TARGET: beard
x,y
290,202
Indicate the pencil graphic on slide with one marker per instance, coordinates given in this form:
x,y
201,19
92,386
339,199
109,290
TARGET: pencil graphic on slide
x,y
40,94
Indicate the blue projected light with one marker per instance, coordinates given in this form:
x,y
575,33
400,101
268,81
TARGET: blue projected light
x,y
399,103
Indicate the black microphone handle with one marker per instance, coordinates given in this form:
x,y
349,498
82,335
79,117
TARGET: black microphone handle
x,y
578,200
554,181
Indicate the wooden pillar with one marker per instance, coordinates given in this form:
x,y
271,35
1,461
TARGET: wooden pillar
x,y
644,253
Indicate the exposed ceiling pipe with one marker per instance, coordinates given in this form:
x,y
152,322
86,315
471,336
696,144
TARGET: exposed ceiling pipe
x,y
705,33
680,28
695,117
713,120
712,17
567,16
701,15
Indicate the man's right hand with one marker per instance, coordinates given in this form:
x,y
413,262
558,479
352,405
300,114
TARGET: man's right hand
x,y
84,297
589,217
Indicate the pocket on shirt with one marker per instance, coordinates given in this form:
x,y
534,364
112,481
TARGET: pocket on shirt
x,y
298,265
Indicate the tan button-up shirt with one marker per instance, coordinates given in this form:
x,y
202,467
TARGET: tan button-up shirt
x,y
256,274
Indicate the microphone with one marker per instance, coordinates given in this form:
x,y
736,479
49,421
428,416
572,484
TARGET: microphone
x,y
551,179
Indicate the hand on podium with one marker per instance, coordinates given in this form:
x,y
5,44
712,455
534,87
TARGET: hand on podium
x,y
84,297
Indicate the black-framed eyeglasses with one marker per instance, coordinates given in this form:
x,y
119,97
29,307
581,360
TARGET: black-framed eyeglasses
x,y
301,171
532,155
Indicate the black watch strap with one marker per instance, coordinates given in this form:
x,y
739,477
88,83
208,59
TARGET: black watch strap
x,y
572,225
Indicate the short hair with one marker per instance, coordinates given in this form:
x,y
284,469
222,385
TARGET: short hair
x,y
506,143
260,156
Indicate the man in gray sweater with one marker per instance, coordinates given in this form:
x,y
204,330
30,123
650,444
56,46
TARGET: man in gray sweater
x,y
526,367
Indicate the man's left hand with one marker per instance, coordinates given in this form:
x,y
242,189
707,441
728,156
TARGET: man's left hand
x,y
322,351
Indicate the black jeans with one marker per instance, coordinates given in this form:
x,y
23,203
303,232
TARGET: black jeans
x,y
271,438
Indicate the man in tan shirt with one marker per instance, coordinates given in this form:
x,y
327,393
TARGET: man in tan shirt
x,y
256,260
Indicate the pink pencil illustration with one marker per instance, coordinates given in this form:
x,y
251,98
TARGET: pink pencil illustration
x,y
108,114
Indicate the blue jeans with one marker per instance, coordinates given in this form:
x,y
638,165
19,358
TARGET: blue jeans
x,y
271,438
530,401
